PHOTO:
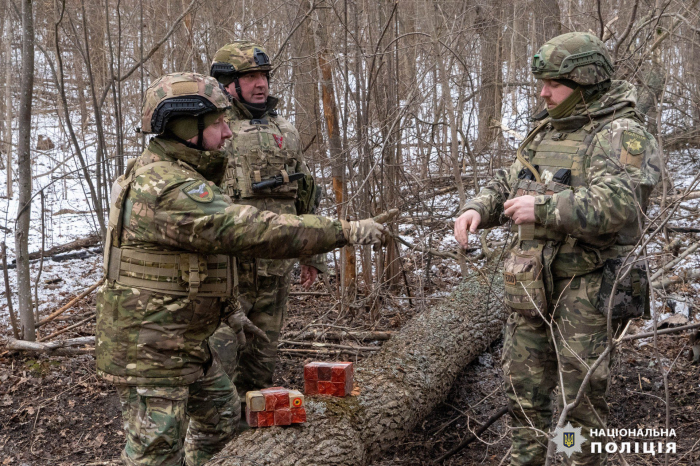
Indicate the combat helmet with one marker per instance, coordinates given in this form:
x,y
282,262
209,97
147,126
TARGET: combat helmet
x,y
576,56
238,58
181,95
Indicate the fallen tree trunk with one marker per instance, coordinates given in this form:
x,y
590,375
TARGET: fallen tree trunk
x,y
58,253
88,242
399,386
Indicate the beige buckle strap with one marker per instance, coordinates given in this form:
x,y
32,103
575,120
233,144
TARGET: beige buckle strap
x,y
190,262
526,231
285,176
256,176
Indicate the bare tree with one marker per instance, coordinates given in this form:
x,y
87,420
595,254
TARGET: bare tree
x,y
25,174
7,98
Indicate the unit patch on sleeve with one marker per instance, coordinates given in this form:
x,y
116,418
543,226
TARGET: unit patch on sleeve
x,y
279,140
199,191
633,146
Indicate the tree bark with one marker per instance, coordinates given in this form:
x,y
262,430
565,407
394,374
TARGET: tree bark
x,y
337,156
547,16
488,26
7,134
24,167
399,385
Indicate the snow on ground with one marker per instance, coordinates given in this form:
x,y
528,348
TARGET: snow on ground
x,y
67,217
59,281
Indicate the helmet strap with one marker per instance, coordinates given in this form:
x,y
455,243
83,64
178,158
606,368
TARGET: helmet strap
x,y
239,93
200,135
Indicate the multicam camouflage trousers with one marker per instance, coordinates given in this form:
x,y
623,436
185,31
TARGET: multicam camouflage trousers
x,y
155,419
264,300
531,370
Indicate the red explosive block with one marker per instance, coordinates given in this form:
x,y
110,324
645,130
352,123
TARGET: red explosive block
x,y
298,415
274,406
324,373
283,417
311,387
259,418
328,378
276,398
311,371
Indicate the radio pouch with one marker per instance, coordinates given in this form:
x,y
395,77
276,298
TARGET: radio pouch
x,y
631,294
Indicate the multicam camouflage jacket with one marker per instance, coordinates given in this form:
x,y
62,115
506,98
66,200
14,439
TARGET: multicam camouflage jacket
x,y
614,165
260,149
151,337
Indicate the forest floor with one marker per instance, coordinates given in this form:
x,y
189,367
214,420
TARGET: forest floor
x,y
55,411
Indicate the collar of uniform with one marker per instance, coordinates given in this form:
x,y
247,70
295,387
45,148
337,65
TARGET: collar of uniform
x,y
244,113
209,163
620,95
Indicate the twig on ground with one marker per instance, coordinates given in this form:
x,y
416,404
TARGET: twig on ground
x,y
330,345
668,281
471,438
70,304
340,335
661,332
64,347
320,352
64,330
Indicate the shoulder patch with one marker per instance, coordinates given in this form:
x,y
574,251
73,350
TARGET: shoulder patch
x,y
634,143
199,191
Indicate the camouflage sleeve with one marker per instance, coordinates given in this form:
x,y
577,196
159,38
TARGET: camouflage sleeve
x,y
489,201
196,216
624,167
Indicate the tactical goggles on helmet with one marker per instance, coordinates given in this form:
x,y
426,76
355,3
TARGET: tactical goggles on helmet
x,y
222,69
226,69
574,61
168,109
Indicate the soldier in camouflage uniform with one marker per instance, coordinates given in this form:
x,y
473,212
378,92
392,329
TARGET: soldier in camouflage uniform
x,y
168,266
264,145
576,196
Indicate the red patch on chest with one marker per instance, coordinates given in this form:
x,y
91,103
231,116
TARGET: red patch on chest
x,y
279,140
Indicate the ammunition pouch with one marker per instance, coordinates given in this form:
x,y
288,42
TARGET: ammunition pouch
x,y
523,275
176,273
307,196
632,292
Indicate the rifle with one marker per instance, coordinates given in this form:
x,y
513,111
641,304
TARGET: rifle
x,y
276,181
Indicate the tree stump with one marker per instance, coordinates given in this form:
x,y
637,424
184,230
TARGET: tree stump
x,y
399,386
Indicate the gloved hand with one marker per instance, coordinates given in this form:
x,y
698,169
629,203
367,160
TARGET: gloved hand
x,y
241,325
369,230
